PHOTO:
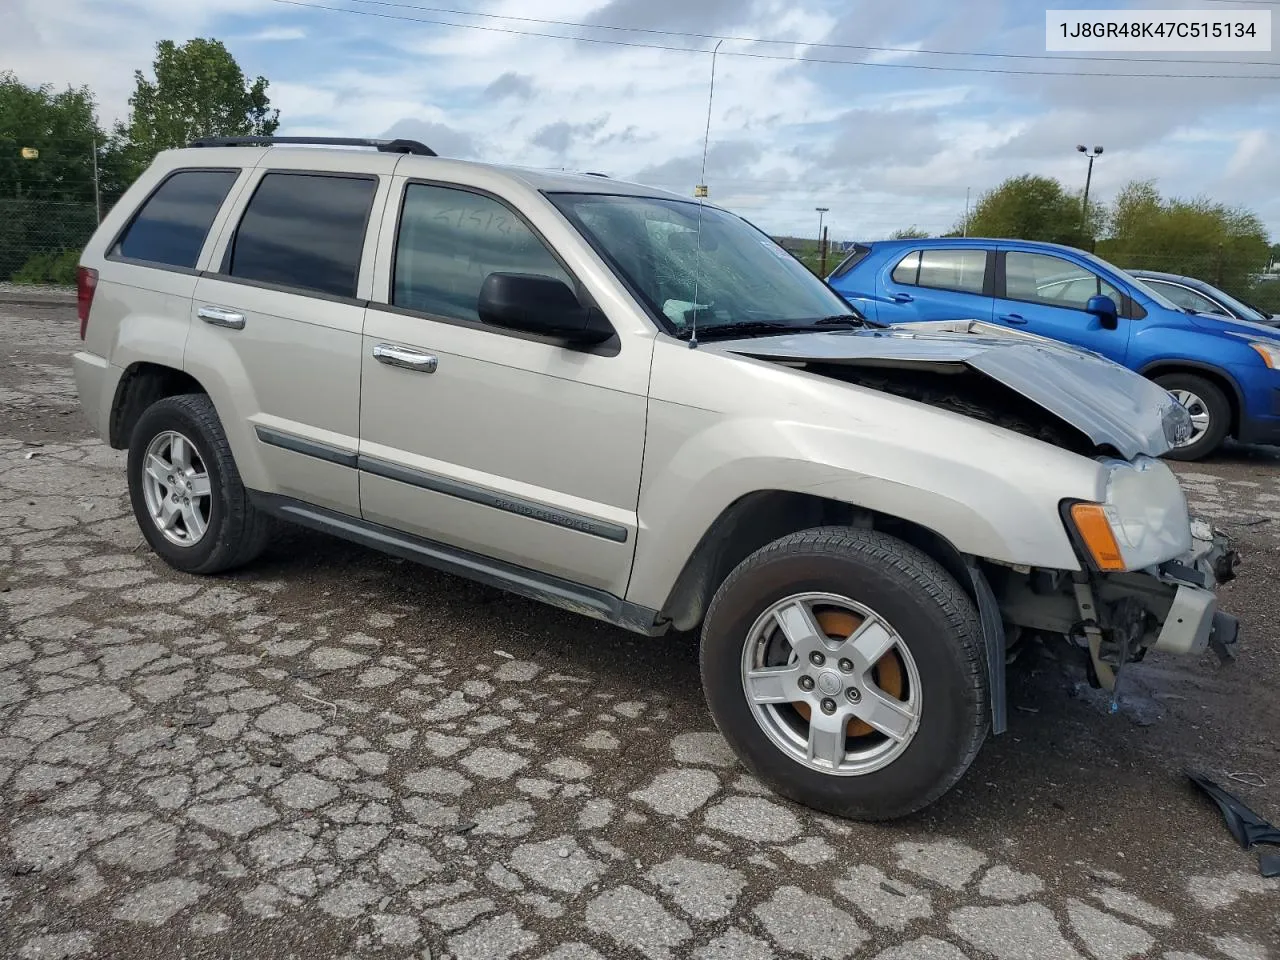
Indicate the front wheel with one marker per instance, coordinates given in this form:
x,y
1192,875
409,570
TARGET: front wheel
x,y
847,670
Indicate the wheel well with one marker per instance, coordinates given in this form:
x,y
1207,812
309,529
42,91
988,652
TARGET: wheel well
x,y
764,516
141,385
1219,380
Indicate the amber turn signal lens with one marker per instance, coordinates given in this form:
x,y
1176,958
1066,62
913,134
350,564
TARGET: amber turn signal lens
x,y
1095,530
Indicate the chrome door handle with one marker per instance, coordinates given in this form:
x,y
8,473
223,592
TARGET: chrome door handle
x,y
221,317
409,359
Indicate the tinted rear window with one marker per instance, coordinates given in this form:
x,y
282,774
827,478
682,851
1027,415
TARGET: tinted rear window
x,y
305,231
172,225
943,269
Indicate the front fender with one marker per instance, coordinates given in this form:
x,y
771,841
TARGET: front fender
x,y
990,493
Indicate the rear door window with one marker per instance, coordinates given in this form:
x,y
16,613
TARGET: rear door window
x,y
964,271
171,226
305,231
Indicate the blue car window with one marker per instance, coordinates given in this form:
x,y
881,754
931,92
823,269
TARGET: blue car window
x,y
908,268
961,270
1041,278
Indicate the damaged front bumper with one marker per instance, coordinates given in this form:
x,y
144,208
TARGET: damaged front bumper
x,y
1194,622
1171,607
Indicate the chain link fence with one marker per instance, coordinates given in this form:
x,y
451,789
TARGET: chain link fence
x,y
41,240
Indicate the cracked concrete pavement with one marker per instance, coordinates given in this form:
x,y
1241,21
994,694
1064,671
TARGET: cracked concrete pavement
x,y
337,754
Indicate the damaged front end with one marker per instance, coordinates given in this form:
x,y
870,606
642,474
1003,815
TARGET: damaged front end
x,y
1150,584
1116,617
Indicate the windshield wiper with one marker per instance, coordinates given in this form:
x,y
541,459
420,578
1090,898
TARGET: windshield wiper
x,y
764,328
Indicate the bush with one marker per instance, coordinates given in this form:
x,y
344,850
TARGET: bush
x,y
57,268
1265,295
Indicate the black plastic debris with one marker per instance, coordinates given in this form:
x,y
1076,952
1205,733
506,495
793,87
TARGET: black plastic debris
x,y
1247,827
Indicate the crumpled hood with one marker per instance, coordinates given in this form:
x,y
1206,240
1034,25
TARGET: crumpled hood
x,y
1109,403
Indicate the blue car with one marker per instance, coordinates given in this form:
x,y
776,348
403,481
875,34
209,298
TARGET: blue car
x,y
1226,372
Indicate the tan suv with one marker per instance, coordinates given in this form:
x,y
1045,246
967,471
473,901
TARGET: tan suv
x,y
639,407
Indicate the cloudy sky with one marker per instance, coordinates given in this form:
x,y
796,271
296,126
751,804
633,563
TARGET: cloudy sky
x,y
887,141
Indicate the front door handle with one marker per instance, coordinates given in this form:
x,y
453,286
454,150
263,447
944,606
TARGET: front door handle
x,y
221,317
1015,318
409,359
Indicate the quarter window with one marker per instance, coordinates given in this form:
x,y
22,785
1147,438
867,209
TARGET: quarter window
x,y
306,231
171,227
450,240
1041,278
961,270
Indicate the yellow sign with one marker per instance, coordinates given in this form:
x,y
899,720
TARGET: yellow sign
x,y
30,153
700,190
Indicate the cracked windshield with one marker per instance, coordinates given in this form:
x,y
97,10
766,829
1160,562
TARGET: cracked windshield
x,y
694,262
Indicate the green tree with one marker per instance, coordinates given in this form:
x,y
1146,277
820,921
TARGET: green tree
x,y
47,200
909,233
61,127
199,91
1031,207
1222,245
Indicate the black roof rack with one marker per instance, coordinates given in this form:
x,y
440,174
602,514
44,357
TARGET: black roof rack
x,y
592,173
383,146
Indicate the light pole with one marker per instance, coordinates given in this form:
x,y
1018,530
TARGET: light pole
x,y
1088,179
822,250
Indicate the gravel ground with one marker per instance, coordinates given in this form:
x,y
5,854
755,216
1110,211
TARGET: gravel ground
x,y
336,754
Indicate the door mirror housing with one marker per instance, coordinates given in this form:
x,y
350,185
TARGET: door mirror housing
x,y
1104,308
532,303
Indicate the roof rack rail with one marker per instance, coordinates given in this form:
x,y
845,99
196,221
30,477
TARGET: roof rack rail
x,y
592,173
383,146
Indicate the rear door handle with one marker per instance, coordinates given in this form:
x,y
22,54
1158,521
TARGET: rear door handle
x,y
408,359
1014,318
221,317
902,298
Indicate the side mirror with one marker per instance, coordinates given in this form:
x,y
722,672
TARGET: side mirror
x,y
1104,308
542,305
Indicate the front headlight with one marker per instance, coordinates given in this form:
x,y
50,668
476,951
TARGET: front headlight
x,y
1142,522
1270,353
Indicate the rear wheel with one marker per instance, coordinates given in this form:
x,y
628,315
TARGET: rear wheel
x,y
846,669
186,492
1210,414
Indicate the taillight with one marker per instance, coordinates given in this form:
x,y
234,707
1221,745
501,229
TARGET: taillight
x,y
86,284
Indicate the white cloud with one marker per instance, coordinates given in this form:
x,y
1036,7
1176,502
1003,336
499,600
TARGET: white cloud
x,y
882,146
274,34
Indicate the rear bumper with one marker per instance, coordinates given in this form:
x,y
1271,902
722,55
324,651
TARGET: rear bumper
x,y
96,381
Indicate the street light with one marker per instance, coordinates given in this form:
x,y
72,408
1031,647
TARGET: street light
x,y
1088,179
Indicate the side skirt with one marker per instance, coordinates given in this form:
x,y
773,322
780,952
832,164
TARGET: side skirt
x,y
555,591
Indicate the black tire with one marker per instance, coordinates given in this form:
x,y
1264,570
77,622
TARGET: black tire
x,y
237,532
930,612
1217,405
